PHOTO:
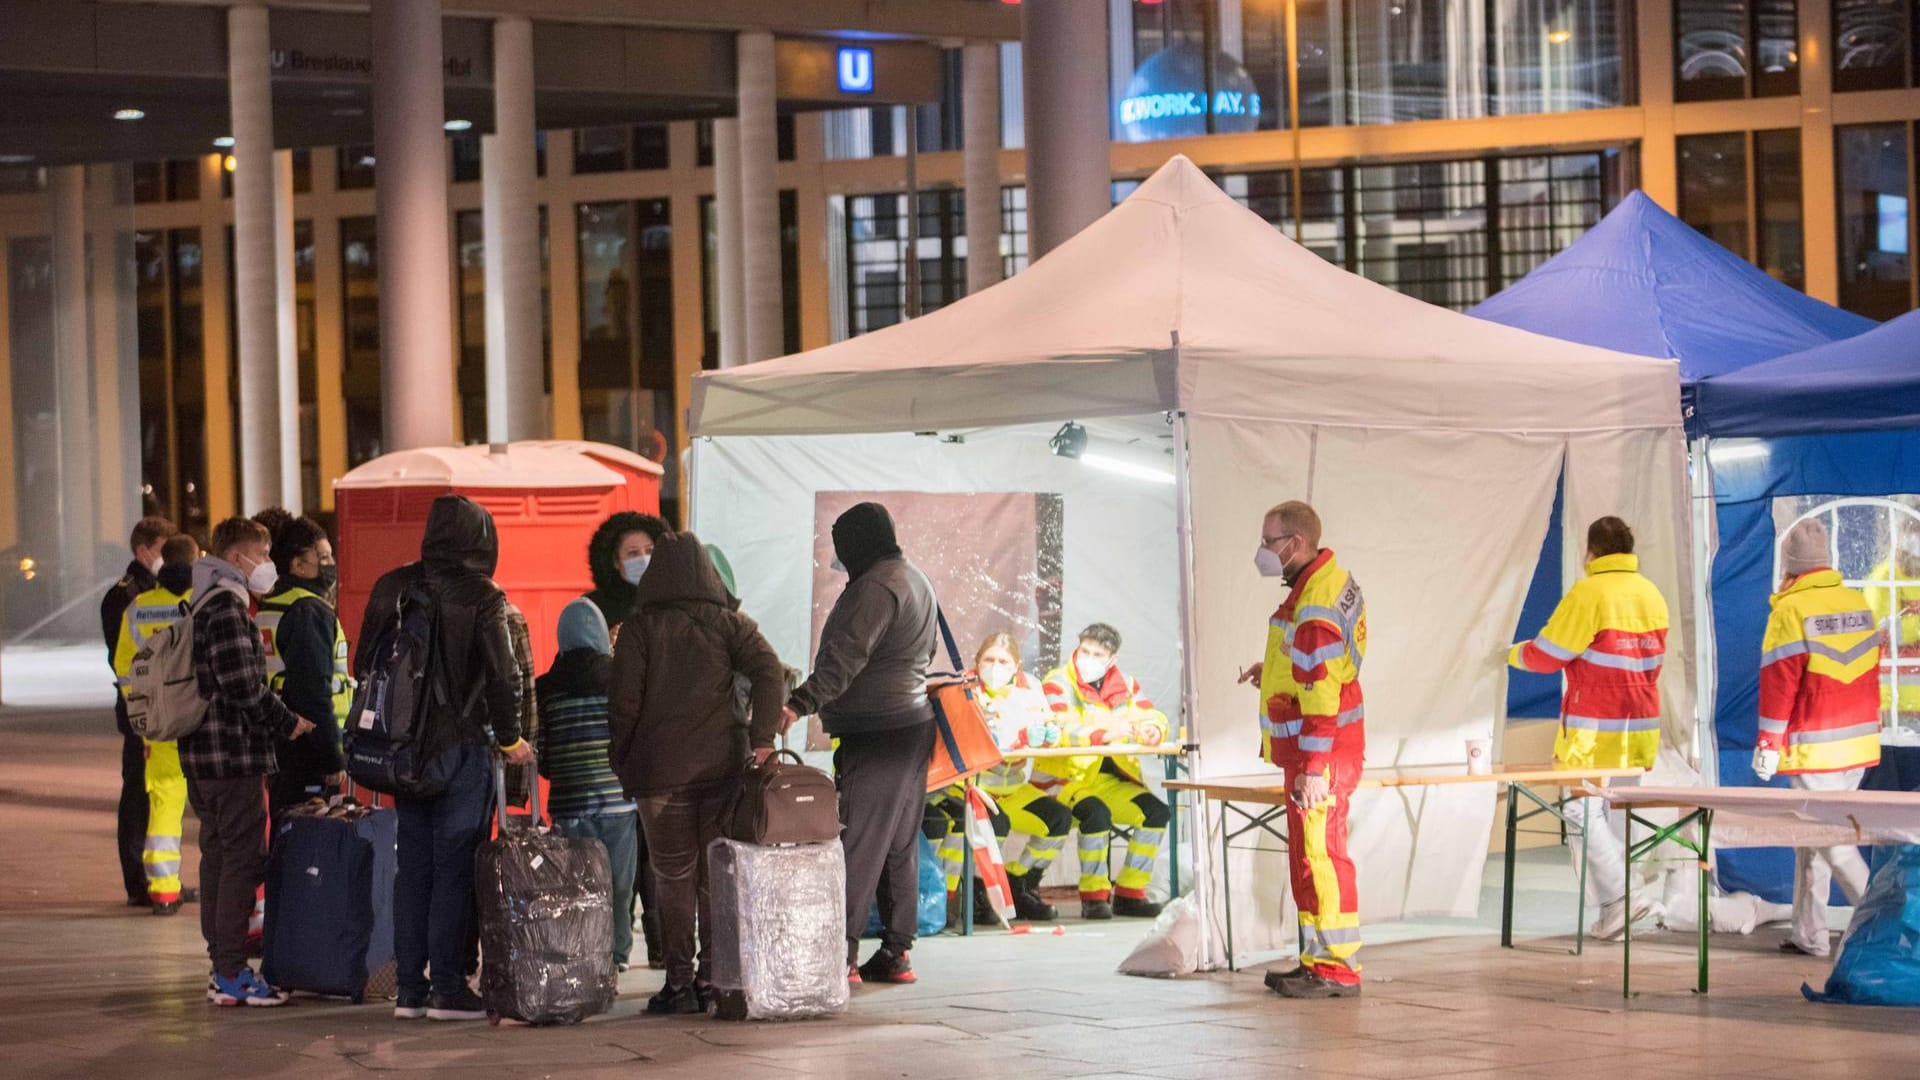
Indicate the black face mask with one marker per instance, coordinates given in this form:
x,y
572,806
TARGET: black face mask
x,y
325,580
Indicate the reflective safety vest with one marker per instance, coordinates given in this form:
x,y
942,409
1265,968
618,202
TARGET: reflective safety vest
x,y
1820,677
271,611
151,612
1314,714
1903,632
1012,711
1609,635
1094,716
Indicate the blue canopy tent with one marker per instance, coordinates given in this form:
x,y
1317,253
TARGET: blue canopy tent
x,y
1835,431
1642,281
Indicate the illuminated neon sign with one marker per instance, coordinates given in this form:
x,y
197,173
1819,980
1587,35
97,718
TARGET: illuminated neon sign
x,y
855,68
1180,104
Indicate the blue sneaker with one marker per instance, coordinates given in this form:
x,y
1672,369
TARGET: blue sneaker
x,y
245,988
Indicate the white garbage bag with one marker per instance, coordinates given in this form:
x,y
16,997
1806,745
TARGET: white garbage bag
x,y
1172,947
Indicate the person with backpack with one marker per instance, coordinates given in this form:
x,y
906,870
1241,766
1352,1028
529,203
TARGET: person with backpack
x,y
228,757
677,745
151,612
306,651
473,709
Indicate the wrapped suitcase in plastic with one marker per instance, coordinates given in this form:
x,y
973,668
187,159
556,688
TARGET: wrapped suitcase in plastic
x,y
328,925
779,930
546,921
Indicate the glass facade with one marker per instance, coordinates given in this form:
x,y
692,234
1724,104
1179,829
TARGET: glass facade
x,y
1875,193
1196,67
1742,189
360,377
1873,43
1735,49
626,332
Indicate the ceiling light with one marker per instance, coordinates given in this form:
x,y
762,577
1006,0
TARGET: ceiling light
x,y
223,142
457,125
349,112
1559,37
16,159
1070,441
129,114
1126,468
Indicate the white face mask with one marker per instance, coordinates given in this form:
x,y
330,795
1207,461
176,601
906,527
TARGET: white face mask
x,y
1269,564
261,578
997,675
635,568
1091,670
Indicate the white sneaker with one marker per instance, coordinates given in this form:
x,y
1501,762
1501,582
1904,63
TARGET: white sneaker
x,y
1612,924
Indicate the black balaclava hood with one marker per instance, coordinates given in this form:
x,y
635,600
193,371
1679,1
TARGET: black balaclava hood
x,y
460,538
682,572
863,536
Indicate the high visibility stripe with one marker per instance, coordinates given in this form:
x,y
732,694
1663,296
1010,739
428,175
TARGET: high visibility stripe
x,y
162,868
1857,731
1783,652
1598,723
1344,935
1093,842
1860,649
1286,729
1142,863
1351,716
163,843
1555,651
1312,660
1770,726
1316,611
1622,663
1315,744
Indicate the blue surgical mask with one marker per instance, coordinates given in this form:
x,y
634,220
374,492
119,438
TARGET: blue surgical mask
x,y
635,568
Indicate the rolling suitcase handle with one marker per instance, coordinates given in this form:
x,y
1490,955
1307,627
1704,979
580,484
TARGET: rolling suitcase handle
x,y
534,802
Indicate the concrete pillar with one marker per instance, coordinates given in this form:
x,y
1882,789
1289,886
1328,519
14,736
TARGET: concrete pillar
x,y
563,255
286,334
114,327
255,279
1659,158
759,199
220,495
1819,204
410,205
980,112
516,396
729,279
67,189
1069,180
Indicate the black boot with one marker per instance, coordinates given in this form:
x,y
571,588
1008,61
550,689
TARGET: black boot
x,y
983,913
1135,908
1026,898
1096,909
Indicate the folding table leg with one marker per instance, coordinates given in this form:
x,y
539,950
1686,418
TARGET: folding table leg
x,y
1626,943
1506,895
1706,846
1226,881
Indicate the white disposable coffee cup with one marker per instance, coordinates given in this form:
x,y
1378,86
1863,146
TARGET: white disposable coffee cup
x,y
1479,757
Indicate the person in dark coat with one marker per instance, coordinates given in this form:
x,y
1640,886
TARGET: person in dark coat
x,y
149,535
677,743
869,688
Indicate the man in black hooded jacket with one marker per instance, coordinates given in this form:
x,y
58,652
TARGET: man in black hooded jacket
x,y
433,903
869,687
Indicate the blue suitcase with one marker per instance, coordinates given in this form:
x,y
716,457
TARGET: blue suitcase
x,y
329,921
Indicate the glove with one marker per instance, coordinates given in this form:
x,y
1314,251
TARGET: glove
x,y
1766,762
1037,735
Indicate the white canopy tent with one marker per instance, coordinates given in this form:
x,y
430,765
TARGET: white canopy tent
x,y
1429,441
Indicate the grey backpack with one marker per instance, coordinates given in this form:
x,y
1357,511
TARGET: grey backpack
x,y
163,696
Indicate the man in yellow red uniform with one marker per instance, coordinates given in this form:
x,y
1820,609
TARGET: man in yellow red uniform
x,y
151,612
1819,713
1094,703
1609,635
1313,726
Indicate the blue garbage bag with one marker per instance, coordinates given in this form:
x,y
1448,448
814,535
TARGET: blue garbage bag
x,y
1880,962
933,896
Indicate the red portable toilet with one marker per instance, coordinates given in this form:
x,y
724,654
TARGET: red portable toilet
x,y
546,499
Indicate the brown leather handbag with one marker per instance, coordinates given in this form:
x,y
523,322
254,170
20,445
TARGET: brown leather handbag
x,y
785,801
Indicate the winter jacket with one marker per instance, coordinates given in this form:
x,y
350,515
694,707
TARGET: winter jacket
x,y
306,653
1820,677
871,671
611,593
671,698
458,553
573,739
243,716
1315,714
1609,635
113,607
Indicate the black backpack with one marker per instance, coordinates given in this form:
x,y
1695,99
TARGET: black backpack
x,y
392,744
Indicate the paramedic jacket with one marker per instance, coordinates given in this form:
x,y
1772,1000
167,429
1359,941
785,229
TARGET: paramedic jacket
x,y
1609,635
1315,716
1820,677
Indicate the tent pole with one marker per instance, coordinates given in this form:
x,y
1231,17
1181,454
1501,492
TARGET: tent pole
x,y
1201,849
1706,688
